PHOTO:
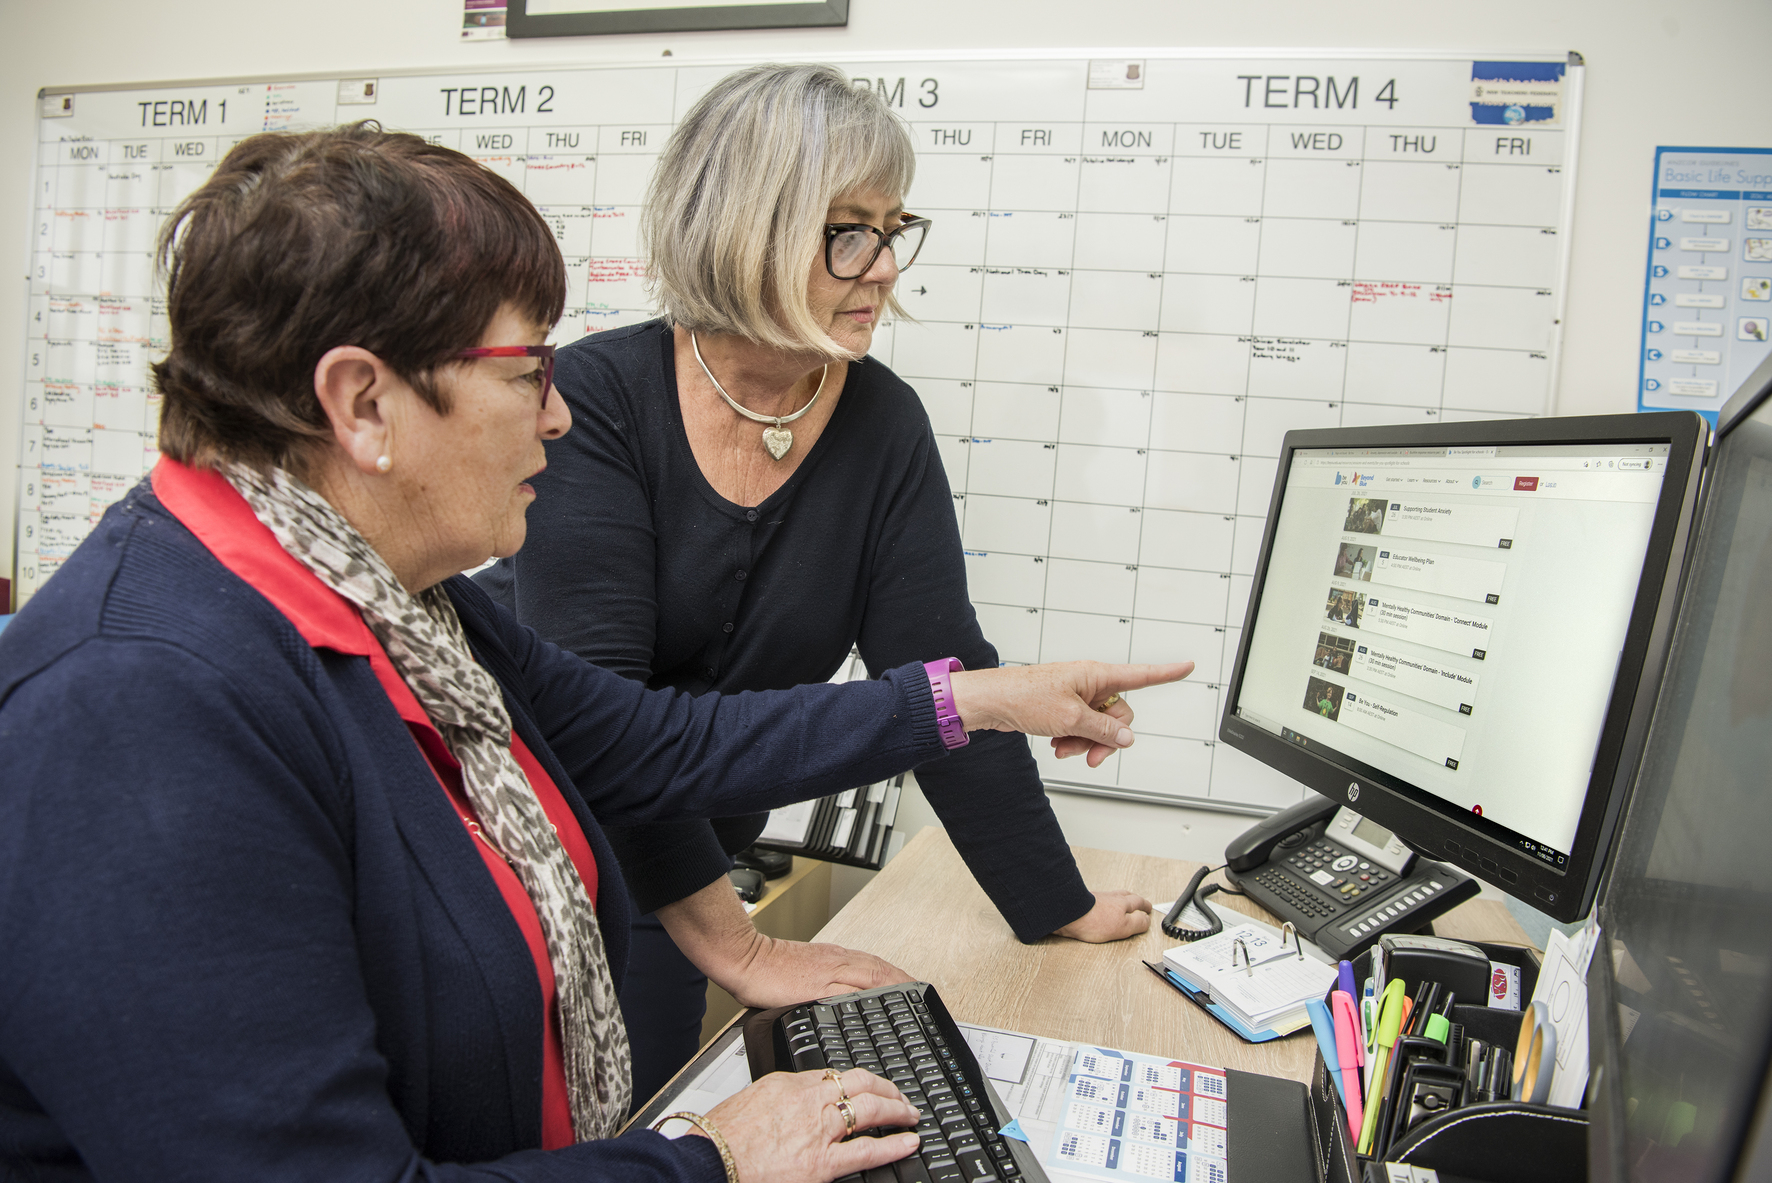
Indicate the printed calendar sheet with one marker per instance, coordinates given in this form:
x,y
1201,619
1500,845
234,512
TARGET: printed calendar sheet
x,y
1090,1113
1141,274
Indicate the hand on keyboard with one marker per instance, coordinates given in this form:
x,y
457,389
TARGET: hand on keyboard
x,y
907,1036
786,1128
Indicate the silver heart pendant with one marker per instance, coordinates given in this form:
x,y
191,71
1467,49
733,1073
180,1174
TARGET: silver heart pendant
x,y
778,440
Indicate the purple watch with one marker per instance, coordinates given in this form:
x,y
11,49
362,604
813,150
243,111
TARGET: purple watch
x,y
953,731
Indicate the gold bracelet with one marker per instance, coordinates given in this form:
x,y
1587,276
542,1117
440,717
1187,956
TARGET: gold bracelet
x,y
706,1127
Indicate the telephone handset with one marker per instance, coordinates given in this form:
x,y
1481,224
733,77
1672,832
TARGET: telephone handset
x,y
1287,830
1341,879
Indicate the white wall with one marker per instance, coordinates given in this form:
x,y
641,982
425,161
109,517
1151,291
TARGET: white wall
x,y
1674,72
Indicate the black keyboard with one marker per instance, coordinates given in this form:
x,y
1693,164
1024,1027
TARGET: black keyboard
x,y
906,1035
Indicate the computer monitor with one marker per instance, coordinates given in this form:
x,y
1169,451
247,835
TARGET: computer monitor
x,y
1680,990
1455,630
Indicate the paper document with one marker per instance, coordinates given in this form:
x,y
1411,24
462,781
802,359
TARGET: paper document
x,y
1267,985
789,823
1093,1113
1562,986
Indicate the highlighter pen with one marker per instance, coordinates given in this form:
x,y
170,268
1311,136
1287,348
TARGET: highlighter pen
x,y
1348,1047
1390,1019
1324,1027
1358,1048
1344,977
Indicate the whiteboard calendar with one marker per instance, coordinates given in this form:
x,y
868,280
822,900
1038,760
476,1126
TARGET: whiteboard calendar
x,y
1142,273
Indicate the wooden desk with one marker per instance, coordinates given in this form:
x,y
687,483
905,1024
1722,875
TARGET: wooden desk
x,y
926,915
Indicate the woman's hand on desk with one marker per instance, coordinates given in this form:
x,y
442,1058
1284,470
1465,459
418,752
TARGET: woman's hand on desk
x,y
713,930
1115,916
786,1128
781,973
1066,700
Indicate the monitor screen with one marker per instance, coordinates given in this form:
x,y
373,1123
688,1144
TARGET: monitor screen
x,y
1682,1006
1448,625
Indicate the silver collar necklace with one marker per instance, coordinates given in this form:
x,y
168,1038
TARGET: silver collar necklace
x,y
777,438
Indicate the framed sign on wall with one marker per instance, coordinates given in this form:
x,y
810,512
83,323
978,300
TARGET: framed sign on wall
x,y
578,18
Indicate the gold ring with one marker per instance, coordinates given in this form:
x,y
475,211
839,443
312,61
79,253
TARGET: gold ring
x,y
836,1078
1107,702
847,1108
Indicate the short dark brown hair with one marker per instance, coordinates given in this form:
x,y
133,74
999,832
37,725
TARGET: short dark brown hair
x,y
302,242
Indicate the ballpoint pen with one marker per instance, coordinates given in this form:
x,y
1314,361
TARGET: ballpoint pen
x,y
1389,1020
1368,1017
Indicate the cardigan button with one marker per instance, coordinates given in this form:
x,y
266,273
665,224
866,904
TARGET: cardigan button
x,y
750,515
727,627
738,575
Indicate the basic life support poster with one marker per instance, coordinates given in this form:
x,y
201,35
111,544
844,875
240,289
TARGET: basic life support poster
x,y
1142,273
1707,298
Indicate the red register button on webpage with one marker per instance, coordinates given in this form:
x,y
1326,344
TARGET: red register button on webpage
x,y
1525,484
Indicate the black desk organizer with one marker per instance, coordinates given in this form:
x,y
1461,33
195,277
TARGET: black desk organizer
x,y
1499,1142
868,842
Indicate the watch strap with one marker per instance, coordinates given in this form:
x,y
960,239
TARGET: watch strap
x,y
947,719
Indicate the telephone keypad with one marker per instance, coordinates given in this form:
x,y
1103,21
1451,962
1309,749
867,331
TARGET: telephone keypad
x,y
1340,879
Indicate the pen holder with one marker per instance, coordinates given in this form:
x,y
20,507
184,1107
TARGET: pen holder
x,y
1499,1142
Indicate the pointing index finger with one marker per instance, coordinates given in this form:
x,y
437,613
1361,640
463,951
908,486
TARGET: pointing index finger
x,y
1122,678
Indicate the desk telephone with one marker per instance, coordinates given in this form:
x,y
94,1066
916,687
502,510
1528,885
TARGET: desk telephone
x,y
1341,879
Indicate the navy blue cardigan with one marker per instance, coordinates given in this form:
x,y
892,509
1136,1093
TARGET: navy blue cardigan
x,y
242,933
636,563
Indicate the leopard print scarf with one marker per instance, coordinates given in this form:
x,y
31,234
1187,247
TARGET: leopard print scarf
x,y
423,638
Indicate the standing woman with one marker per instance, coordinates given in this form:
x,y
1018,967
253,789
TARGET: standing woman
x,y
745,495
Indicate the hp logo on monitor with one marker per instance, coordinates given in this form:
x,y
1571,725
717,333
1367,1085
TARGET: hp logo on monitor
x,y
1353,791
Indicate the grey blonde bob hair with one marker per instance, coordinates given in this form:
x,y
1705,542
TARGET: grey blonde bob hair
x,y
735,215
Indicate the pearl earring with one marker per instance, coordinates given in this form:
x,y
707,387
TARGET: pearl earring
x,y
384,463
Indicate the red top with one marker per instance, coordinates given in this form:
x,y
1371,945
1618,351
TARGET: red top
x,y
220,518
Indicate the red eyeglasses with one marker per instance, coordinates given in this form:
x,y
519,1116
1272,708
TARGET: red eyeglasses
x,y
545,352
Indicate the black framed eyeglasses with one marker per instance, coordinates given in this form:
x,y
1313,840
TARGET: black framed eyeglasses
x,y
545,352
850,248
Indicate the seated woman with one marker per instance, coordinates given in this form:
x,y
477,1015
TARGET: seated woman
x,y
744,496
304,875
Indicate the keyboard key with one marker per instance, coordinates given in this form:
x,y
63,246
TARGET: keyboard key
x,y
948,1172
910,1169
977,1167
809,1059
